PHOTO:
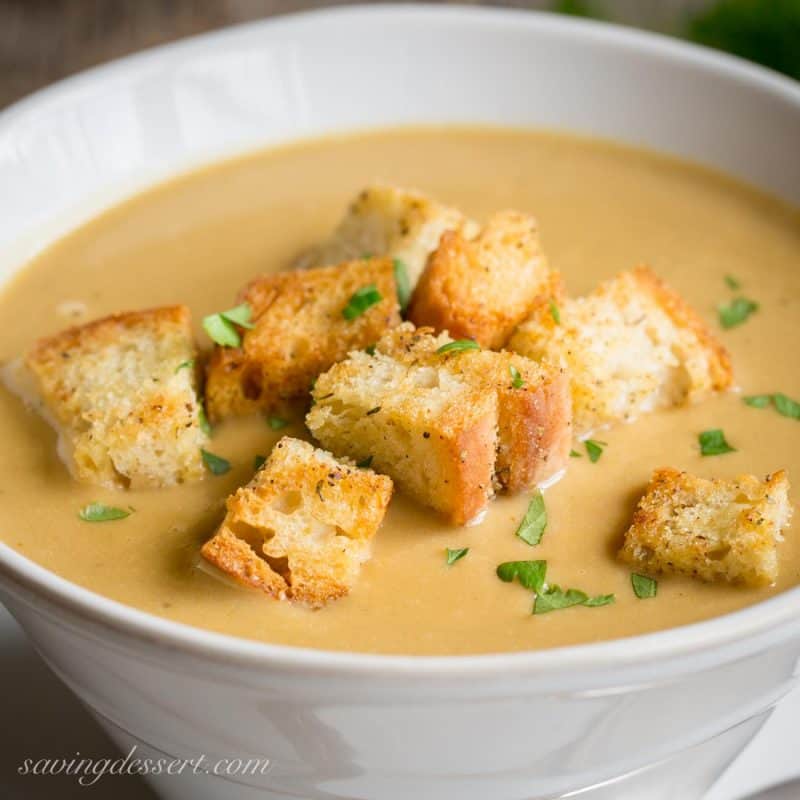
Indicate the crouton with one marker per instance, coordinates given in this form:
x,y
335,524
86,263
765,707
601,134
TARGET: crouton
x,y
482,288
121,392
301,529
631,346
432,430
714,530
390,221
534,424
299,331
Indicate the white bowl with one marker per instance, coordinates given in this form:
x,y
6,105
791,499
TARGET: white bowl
x,y
656,716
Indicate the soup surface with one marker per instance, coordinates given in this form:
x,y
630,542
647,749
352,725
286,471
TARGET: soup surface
x,y
601,209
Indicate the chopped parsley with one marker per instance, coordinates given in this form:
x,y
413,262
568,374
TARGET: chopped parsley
x,y
184,365
530,574
574,454
365,463
202,418
259,462
732,283
533,524
455,555
555,313
736,312
713,443
216,464
786,406
221,327
516,378
757,400
594,449
403,284
98,512
458,346
277,423
373,411
643,587
361,300
370,351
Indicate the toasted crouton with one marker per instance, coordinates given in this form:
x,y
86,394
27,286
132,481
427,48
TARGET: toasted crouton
x,y
432,430
715,530
482,288
534,425
390,221
299,331
302,527
121,392
631,346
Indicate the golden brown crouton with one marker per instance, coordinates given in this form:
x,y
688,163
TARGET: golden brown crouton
x,y
482,288
390,221
631,346
432,430
710,529
302,527
121,392
300,330
534,424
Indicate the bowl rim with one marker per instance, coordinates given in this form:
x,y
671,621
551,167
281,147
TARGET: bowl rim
x,y
731,635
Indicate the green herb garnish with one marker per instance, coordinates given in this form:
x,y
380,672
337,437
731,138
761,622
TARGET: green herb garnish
x,y
554,598
600,600
643,587
516,378
459,345
732,283
403,284
555,313
258,462
361,300
786,406
455,555
530,574
216,464
736,312
277,423
370,351
757,400
184,365
574,454
533,524
594,449
221,327
202,418
365,463
373,411
713,443
97,512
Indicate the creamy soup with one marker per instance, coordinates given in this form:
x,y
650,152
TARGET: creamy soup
x,y
601,208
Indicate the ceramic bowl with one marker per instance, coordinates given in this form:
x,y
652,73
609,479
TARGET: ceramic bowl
x,y
656,716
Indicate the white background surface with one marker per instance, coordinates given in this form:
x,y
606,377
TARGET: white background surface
x,y
40,718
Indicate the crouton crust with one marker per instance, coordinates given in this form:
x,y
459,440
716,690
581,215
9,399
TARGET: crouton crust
x,y
482,288
403,224
301,529
720,368
121,392
431,430
632,345
714,530
299,332
534,419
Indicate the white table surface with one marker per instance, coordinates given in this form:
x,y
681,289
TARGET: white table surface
x,y
40,718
